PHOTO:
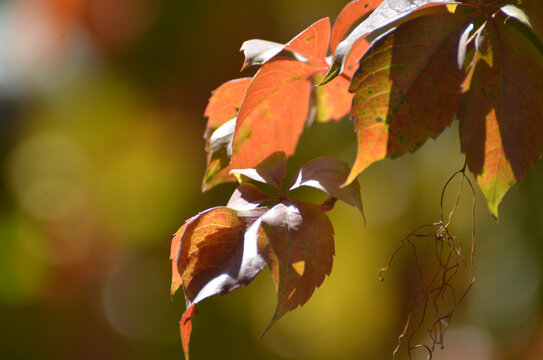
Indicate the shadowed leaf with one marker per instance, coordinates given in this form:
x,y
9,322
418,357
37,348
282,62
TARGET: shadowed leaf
x,y
247,197
534,11
328,175
407,90
501,127
312,44
219,150
271,171
212,258
296,239
385,14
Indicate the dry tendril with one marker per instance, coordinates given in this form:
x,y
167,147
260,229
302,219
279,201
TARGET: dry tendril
x,y
430,298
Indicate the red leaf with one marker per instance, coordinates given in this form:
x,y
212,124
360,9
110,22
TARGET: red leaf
x,y
271,171
501,128
350,14
312,43
328,175
247,197
334,99
212,258
407,90
296,239
272,115
186,328
224,103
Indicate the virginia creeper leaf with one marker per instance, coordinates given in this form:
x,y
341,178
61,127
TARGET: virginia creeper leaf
x,y
351,13
407,90
271,171
186,328
176,277
247,197
501,127
517,13
272,115
219,150
333,99
328,175
385,14
224,103
296,239
534,11
212,258
312,44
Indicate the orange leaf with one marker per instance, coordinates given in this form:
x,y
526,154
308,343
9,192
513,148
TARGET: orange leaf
x,y
312,43
224,103
186,328
272,115
350,14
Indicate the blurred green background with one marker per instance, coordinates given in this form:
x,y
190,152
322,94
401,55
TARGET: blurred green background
x,y
101,159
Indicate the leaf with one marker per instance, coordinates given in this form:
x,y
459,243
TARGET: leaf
x,y
534,10
224,103
407,90
501,122
212,258
312,43
517,13
328,175
272,115
247,197
385,14
333,99
186,328
296,239
351,13
176,277
271,171
219,150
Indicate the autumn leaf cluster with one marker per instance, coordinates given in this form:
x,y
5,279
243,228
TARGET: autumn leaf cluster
x,y
404,74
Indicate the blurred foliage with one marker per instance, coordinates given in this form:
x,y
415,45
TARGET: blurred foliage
x,y
101,158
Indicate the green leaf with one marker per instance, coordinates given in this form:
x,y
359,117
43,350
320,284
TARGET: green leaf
x,y
296,239
407,89
501,127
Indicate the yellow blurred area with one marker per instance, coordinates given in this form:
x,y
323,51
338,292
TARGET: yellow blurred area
x,y
101,161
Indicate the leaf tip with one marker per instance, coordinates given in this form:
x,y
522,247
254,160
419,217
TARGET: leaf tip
x,y
186,328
